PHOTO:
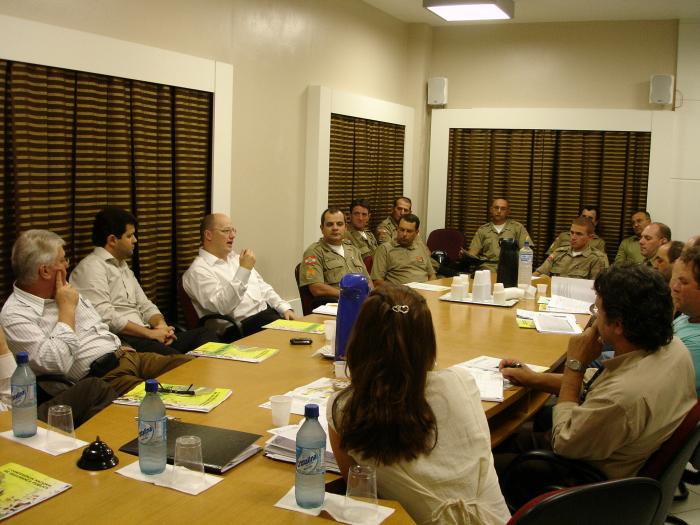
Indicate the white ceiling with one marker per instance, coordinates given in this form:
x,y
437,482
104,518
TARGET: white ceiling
x,y
412,11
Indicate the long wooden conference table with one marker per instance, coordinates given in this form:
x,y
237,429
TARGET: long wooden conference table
x,y
249,490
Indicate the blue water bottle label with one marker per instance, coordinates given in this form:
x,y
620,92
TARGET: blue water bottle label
x,y
152,431
310,460
23,395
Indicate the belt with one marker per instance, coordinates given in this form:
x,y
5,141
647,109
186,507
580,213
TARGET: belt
x,y
106,363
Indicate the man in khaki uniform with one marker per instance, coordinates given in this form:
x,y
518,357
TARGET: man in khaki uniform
x,y
327,260
653,236
485,242
629,247
402,260
564,238
579,260
386,231
357,232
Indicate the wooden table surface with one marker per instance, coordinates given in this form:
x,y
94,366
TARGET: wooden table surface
x,y
249,490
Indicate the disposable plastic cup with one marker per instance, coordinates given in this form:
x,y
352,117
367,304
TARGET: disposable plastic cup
x,y
361,495
60,433
281,407
188,467
330,333
542,290
341,371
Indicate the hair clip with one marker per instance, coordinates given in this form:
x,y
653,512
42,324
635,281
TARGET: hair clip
x,y
400,308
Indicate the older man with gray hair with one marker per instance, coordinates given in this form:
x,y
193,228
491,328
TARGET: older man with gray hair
x,y
60,330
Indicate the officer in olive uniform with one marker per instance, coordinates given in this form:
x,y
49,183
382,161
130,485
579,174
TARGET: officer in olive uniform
x,y
386,231
564,238
629,247
653,237
579,260
485,242
357,232
327,260
403,260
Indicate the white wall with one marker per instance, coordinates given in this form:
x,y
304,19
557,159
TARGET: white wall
x,y
684,176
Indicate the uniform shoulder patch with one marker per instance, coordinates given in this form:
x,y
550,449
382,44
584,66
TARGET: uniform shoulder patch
x,y
310,259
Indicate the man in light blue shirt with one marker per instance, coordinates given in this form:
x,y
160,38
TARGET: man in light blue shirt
x,y
685,289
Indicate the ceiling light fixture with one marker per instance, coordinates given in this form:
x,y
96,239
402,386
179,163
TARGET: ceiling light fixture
x,y
458,10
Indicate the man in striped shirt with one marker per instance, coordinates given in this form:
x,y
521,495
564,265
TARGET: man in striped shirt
x,y
60,330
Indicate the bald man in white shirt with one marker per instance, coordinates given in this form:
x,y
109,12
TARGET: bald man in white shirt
x,y
222,281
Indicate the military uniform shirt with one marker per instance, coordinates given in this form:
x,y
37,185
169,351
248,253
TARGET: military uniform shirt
x,y
322,265
386,231
586,265
564,241
396,264
485,241
629,251
366,246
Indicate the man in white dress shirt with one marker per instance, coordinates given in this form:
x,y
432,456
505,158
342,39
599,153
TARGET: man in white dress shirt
x,y
59,328
104,277
222,281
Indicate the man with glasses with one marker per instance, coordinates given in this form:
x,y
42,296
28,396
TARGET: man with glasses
x,y
614,417
222,281
105,279
485,242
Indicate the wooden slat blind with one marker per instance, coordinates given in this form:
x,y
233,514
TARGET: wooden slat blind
x,y
77,142
547,175
366,161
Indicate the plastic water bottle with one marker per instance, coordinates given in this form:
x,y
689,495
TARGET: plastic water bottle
x,y
309,485
23,389
152,431
525,264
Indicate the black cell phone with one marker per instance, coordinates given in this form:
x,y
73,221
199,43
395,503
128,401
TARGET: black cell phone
x,y
300,341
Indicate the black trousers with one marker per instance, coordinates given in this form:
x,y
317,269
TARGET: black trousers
x,y
185,342
254,323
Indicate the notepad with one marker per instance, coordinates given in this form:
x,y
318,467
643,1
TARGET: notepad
x,y
235,352
204,399
296,326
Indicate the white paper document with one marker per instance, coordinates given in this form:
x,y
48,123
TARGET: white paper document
x,y
556,323
316,392
282,445
327,309
39,442
428,287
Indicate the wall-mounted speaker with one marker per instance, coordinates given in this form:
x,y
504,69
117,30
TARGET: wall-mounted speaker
x,y
661,89
437,91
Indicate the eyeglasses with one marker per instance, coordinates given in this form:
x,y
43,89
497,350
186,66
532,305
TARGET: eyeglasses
x,y
227,231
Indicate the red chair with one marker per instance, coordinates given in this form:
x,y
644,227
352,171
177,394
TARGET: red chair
x,y
304,293
448,240
629,501
666,465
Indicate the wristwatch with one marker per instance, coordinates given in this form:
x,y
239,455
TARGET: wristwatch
x,y
574,364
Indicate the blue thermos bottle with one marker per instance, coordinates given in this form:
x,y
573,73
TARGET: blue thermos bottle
x,y
353,292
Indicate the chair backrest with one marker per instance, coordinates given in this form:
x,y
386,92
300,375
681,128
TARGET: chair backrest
x,y
668,463
304,293
368,263
629,501
447,240
191,317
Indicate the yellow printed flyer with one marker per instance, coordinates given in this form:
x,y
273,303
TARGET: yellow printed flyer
x,y
201,399
296,326
250,354
24,487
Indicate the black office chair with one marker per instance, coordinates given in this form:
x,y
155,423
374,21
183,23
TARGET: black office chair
x,y
192,320
629,501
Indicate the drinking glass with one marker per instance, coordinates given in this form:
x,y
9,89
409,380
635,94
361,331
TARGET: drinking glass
x,y
60,433
361,495
188,467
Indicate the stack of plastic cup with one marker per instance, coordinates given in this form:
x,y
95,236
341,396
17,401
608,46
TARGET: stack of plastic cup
x,y
499,294
460,286
481,290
